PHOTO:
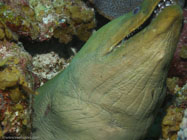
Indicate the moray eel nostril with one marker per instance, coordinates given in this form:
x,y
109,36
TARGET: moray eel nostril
x,y
136,10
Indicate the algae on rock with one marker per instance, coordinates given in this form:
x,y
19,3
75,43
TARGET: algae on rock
x,y
16,86
175,110
41,20
183,52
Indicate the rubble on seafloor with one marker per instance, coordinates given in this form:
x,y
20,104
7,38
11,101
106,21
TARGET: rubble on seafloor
x,y
16,86
41,20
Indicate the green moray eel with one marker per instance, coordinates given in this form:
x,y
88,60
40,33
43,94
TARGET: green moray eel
x,y
115,84
115,8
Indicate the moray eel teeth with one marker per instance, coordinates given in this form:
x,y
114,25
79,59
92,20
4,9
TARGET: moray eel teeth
x,y
158,9
162,4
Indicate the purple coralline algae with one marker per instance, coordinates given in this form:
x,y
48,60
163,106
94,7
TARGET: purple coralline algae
x,y
179,64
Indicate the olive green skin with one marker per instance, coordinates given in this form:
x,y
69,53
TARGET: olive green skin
x,y
109,92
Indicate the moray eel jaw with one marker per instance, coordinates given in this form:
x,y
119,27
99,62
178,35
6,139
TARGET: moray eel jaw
x,y
163,31
112,89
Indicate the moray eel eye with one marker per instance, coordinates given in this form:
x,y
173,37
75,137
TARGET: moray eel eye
x,y
136,10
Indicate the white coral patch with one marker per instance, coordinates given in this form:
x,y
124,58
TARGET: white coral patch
x,y
48,65
182,134
48,19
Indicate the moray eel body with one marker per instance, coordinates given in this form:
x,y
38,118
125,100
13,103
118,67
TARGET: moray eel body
x,y
115,84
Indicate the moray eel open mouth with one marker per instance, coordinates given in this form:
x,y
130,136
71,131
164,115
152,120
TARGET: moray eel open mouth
x,y
155,12
161,5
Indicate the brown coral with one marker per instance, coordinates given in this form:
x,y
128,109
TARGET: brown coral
x,y
15,85
171,123
41,20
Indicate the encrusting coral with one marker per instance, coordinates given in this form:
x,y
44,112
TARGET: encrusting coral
x,y
171,123
41,20
175,111
183,52
182,134
16,86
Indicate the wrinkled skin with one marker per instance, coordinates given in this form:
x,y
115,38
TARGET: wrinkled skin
x,y
109,92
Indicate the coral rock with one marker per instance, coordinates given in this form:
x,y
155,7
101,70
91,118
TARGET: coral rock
x,y
171,123
182,134
171,84
183,52
46,66
41,20
15,85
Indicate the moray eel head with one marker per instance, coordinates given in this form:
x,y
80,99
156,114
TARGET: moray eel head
x,y
113,87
